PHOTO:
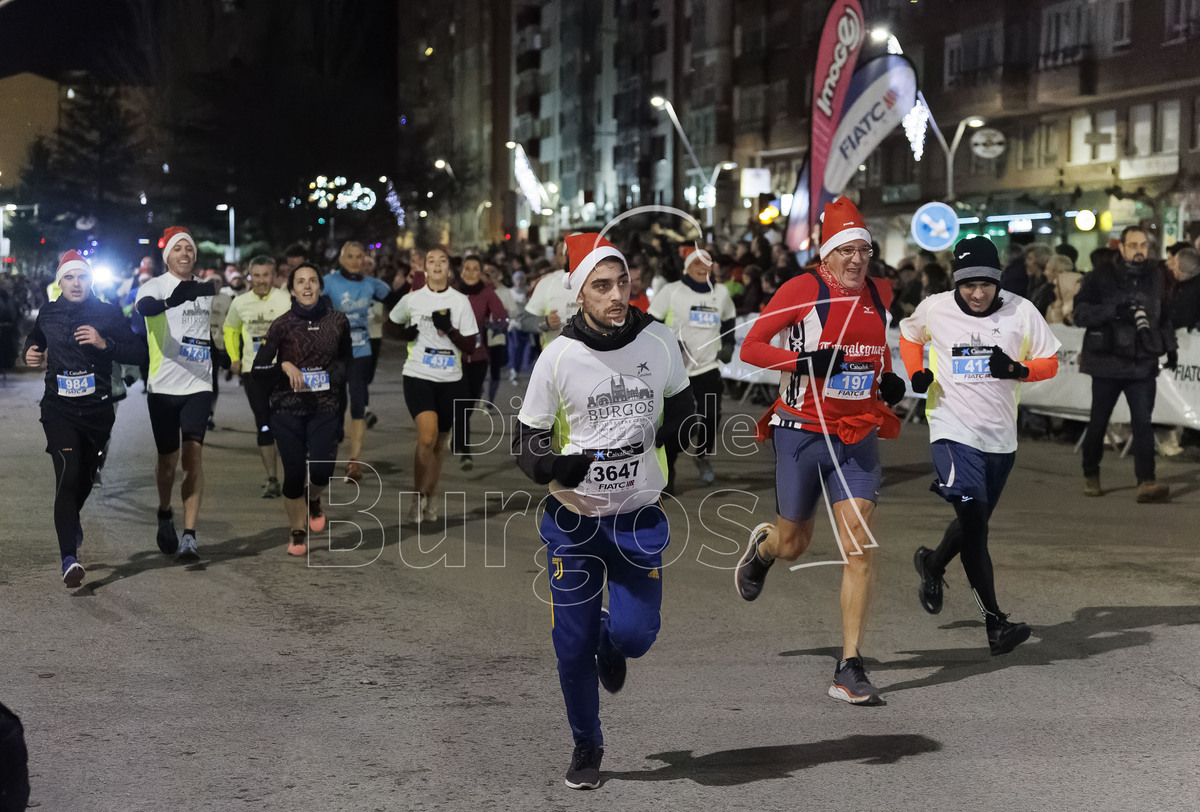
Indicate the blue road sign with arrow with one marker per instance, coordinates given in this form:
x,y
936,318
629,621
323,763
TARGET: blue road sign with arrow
x,y
935,226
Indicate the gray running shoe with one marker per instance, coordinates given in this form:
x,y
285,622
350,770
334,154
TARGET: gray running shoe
x,y
187,549
705,469
850,684
752,570
272,490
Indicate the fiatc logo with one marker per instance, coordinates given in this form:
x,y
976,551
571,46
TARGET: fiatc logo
x,y
617,407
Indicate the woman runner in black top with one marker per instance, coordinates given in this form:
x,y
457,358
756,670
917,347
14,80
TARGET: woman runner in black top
x,y
305,355
77,337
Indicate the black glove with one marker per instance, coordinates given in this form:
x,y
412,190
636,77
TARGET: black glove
x,y
892,388
820,361
725,354
1005,368
222,358
441,320
187,291
677,431
571,469
921,379
410,332
1172,360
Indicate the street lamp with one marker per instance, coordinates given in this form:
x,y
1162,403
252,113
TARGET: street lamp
x,y
487,204
444,164
950,149
710,188
231,254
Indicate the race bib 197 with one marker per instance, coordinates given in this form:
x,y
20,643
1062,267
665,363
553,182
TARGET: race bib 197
x,y
195,350
438,359
76,385
969,364
853,383
316,379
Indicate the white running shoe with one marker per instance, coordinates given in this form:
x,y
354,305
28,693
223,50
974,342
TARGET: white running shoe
x,y
430,508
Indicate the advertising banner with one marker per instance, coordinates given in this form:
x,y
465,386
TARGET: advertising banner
x,y
837,56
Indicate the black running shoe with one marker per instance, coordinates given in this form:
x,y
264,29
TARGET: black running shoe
x,y
610,667
584,772
168,539
1004,636
752,570
930,590
850,684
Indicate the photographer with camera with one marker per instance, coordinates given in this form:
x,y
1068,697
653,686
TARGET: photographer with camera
x,y
1123,308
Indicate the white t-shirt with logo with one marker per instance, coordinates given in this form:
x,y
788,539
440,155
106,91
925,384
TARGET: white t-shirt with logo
x,y
608,404
550,296
433,356
180,341
695,319
965,403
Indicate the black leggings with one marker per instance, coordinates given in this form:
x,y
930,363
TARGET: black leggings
x,y
76,451
968,535
474,374
307,447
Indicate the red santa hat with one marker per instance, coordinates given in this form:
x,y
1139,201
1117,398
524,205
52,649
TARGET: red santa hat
x,y
173,235
841,223
71,261
584,252
694,253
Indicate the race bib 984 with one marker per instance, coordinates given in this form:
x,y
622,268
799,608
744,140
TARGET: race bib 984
x,y
76,385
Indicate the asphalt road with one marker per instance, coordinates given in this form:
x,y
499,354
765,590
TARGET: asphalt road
x,y
395,673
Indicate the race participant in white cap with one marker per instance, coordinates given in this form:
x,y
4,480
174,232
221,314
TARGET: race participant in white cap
x,y
835,366
602,399
982,345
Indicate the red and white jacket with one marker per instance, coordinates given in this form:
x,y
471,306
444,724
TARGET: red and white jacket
x,y
810,312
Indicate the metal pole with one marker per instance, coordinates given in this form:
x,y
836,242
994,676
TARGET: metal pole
x,y
950,151
233,256
683,137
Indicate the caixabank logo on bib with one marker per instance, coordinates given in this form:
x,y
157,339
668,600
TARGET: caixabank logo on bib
x,y
618,406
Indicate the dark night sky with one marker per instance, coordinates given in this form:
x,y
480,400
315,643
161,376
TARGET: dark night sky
x,y
49,36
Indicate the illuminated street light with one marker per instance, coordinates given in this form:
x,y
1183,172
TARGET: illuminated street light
x,y
975,122
879,35
383,178
510,144
952,148
429,51
552,188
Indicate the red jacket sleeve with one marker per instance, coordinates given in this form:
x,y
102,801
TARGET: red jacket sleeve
x,y
787,307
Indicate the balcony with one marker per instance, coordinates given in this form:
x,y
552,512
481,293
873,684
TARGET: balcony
x,y
530,60
1064,76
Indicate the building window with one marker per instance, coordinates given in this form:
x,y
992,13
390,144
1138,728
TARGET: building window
x,y
1121,34
1141,130
953,59
1106,132
1196,123
1081,145
1182,20
1167,131
974,54
1067,30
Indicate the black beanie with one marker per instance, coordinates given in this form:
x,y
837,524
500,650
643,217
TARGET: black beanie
x,y
976,260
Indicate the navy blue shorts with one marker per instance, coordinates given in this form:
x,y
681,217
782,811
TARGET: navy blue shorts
x,y
963,473
802,461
